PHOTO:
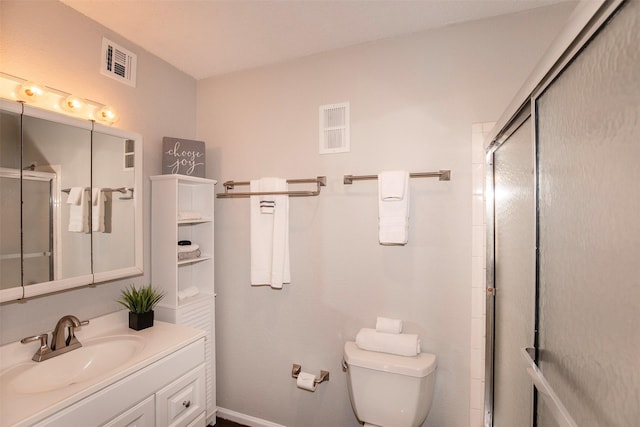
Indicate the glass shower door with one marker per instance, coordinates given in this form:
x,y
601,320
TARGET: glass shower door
x,y
589,229
514,276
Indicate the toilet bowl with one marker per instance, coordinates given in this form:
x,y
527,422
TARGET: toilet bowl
x,y
387,390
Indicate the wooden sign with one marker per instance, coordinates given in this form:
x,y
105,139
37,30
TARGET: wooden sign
x,y
183,156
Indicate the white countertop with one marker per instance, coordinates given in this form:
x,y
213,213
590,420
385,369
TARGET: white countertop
x,y
159,341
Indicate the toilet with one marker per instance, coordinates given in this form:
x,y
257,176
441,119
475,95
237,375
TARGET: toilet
x,y
387,390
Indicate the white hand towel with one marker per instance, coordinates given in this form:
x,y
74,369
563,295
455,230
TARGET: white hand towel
x,y
74,195
98,200
400,344
270,235
393,207
78,210
390,326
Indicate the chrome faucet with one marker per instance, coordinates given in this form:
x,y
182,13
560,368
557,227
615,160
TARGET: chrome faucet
x,y
63,338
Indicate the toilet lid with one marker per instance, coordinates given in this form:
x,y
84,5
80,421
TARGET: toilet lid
x,y
415,366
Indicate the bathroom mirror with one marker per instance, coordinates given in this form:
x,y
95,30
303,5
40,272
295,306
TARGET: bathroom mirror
x,y
71,211
114,177
10,249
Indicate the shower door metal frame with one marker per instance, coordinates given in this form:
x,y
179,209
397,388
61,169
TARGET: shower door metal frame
x,y
54,207
588,19
519,118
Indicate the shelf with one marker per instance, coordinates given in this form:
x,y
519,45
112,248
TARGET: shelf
x,y
194,260
194,221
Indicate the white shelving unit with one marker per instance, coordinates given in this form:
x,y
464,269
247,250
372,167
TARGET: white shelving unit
x,y
170,195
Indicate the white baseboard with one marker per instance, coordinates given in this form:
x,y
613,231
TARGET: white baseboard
x,y
247,420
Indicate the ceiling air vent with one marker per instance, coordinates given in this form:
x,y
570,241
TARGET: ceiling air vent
x,y
118,63
334,128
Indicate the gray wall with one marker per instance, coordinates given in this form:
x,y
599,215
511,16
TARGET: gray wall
x,y
413,101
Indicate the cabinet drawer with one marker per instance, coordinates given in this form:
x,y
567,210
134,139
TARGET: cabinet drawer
x,y
141,415
183,400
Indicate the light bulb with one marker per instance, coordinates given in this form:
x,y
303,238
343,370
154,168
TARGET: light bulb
x,y
107,114
31,91
73,104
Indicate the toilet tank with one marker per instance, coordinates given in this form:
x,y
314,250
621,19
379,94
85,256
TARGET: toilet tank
x,y
389,390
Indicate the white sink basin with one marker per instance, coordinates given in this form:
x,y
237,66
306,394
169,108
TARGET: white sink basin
x,y
33,391
95,358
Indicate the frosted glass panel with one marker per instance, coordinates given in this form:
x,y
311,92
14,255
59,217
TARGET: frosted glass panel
x,y
514,217
589,154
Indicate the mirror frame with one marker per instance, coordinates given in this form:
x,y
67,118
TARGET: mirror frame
x,y
23,292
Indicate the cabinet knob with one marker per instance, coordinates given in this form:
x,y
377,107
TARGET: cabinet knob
x,y
186,403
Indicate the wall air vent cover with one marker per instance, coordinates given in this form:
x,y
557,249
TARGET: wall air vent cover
x,y
118,63
334,128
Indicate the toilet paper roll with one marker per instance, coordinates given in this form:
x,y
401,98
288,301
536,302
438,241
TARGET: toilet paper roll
x,y
306,381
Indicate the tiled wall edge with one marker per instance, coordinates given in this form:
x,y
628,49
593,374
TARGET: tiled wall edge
x,y
479,132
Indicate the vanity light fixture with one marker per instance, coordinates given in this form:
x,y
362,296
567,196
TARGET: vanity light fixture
x,y
73,104
30,91
107,114
12,87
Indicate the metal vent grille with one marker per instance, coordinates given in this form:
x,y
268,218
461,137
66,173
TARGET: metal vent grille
x,y
118,63
334,128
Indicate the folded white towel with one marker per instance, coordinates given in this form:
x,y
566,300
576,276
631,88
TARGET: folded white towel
x,y
78,210
187,215
392,185
74,195
390,326
188,248
98,200
270,235
393,207
401,344
183,256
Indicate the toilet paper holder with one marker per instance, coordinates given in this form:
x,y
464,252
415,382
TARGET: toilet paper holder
x,y
296,369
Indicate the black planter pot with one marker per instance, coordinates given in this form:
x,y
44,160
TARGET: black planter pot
x,y
138,321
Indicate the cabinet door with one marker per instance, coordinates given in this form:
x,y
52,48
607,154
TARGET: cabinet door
x,y
141,415
55,224
201,421
182,401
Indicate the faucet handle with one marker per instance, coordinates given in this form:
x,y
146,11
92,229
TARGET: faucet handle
x,y
72,335
44,348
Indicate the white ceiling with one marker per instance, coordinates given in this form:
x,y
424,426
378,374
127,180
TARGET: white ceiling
x,y
210,37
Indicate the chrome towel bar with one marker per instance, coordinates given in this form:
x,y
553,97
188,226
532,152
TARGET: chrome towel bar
x,y
320,181
123,190
442,175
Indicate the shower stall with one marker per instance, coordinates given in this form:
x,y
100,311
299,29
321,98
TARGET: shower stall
x,y
30,231
563,260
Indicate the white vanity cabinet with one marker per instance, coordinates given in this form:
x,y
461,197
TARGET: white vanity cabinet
x,y
168,392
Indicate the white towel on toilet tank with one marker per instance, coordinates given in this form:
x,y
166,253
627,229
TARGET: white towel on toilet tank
x,y
270,234
390,326
401,344
393,207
